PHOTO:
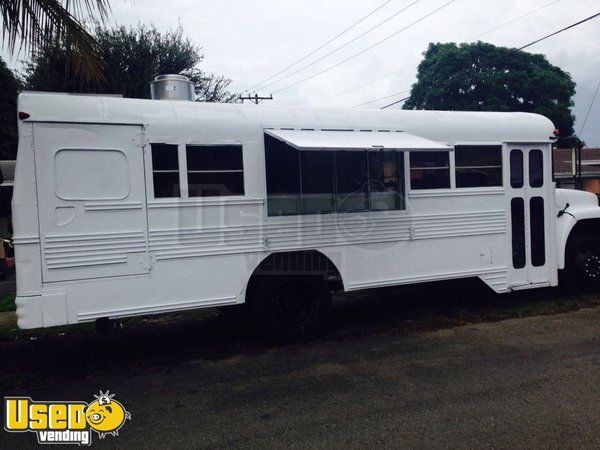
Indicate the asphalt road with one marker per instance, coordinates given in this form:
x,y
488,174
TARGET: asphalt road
x,y
519,383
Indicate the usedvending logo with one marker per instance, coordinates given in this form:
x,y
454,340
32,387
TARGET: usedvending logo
x,y
65,422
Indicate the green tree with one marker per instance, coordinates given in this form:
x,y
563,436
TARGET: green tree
x,y
132,57
8,112
34,23
483,77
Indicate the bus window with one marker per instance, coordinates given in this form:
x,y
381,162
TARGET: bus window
x,y
165,170
282,163
517,213
317,182
478,165
536,168
331,181
429,170
516,169
538,248
386,180
215,170
351,179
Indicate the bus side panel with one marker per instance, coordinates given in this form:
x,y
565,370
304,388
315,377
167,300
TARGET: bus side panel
x,y
26,233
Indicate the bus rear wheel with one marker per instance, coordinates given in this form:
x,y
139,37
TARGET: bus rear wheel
x,y
291,308
581,274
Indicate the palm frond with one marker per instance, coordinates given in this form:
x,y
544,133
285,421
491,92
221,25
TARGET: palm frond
x,y
31,24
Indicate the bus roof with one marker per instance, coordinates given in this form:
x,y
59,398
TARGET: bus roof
x,y
452,127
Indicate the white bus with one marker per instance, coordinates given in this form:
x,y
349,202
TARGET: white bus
x,y
125,207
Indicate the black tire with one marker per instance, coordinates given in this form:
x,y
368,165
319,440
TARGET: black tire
x,y
3,269
288,308
581,274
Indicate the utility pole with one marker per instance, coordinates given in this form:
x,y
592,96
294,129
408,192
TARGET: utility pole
x,y
256,99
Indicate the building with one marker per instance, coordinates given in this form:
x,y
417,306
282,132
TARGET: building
x,y
578,169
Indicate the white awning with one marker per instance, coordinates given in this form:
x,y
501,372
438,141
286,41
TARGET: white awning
x,y
355,140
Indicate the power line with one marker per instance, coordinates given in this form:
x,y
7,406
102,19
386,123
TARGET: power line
x,y
448,3
417,62
341,46
515,19
587,114
559,31
367,83
396,102
322,46
546,37
382,98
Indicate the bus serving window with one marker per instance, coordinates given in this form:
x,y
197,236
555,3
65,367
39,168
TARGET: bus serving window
x,y
327,181
318,194
215,170
536,168
429,170
386,180
282,164
165,170
352,187
478,165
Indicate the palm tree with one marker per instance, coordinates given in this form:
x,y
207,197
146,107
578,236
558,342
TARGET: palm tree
x,y
32,24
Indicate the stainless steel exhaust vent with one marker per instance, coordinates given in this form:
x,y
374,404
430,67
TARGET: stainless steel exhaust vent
x,y
172,87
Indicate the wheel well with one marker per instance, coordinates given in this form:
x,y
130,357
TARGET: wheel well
x,y
583,226
305,263
591,226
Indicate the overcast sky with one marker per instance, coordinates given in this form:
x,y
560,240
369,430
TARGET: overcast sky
x,y
249,41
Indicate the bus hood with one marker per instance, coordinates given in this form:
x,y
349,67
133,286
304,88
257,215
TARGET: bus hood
x,y
580,202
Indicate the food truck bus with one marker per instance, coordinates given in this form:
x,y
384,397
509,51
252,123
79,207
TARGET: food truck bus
x,y
126,207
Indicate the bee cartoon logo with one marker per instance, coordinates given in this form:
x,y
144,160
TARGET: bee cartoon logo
x,y
65,422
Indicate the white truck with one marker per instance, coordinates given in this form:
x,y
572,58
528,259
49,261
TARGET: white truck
x,y
125,207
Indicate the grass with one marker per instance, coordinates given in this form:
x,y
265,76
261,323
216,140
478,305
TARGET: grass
x,y
7,303
380,310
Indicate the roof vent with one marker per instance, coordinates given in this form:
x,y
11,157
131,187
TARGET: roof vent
x,y
172,87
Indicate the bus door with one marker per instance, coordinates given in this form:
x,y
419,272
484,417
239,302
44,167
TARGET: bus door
x,y
91,200
527,185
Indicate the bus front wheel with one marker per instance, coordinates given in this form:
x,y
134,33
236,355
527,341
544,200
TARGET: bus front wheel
x,y
581,274
288,308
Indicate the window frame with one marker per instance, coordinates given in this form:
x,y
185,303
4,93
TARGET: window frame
x,y
334,203
184,196
152,170
530,162
402,193
265,171
499,146
519,174
451,174
188,171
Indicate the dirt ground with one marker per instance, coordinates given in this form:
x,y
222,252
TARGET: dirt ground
x,y
437,366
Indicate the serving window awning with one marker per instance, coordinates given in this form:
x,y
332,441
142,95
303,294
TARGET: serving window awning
x,y
356,140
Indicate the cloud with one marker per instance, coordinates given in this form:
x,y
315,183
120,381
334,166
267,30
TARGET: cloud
x,y
250,41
